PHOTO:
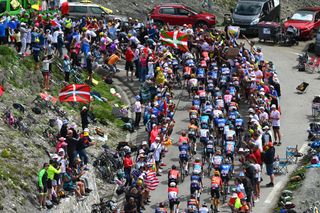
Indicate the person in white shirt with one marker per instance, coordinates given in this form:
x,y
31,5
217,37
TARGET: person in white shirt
x,y
263,116
137,107
275,120
156,147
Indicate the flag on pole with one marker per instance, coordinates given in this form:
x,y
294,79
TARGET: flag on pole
x,y
175,39
75,93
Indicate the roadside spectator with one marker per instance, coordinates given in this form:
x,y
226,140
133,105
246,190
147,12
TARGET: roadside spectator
x,y
157,149
127,165
51,173
83,143
268,159
42,183
129,55
275,120
137,108
84,117
66,68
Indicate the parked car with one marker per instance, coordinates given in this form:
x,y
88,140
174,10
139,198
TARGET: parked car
x,y
78,10
179,14
317,45
306,20
248,13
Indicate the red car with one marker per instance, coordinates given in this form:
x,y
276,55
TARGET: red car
x,y
179,14
306,20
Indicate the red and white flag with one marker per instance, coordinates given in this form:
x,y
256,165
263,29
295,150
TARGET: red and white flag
x,y
175,39
75,93
151,180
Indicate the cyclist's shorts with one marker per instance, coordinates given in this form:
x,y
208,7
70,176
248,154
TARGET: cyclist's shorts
x,y
184,158
203,139
215,193
173,202
209,152
194,187
225,178
172,180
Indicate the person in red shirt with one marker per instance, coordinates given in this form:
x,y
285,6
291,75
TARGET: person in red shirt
x,y
129,55
127,165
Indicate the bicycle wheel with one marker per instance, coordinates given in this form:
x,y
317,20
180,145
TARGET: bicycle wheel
x,y
182,172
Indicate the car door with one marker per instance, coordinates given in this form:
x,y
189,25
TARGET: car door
x,y
79,11
183,16
96,11
167,15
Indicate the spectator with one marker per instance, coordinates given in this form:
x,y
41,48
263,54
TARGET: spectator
x,y
51,173
268,159
129,55
84,117
42,183
66,68
275,120
157,149
127,165
83,143
137,107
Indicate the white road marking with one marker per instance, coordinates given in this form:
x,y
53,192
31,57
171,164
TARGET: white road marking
x,y
274,191
295,53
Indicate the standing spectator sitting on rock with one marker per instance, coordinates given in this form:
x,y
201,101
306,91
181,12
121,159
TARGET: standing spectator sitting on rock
x,y
83,143
78,174
70,186
42,183
84,117
71,147
268,159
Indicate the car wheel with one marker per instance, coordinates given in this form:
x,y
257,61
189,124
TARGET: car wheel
x,y
158,23
201,24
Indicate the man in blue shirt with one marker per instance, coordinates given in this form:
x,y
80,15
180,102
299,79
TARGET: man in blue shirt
x,y
3,31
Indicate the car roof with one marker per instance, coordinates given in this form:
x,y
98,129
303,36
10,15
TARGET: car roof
x,y
311,8
82,4
170,5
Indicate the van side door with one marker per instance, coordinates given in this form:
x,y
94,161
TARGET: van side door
x,y
317,20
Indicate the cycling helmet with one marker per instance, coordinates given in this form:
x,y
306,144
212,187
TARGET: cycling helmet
x,y
216,173
218,152
173,167
227,161
172,184
196,97
197,159
231,126
196,172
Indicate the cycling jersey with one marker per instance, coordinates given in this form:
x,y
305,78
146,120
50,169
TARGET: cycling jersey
x,y
161,210
232,90
195,182
173,174
225,169
213,74
193,82
197,167
184,150
229,147
227,98
219,103
204,119
233,115
192,204
216,182
173,193
204,133
202,93
183,138
200,72
187,71
239,122
221,122
196,103
217,160
210,147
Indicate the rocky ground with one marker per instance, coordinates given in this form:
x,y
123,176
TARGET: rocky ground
x,y
22,155
140,8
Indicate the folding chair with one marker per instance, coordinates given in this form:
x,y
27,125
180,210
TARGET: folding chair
x,y
292,154
280,166
302,88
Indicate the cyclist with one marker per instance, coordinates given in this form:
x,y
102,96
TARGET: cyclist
x,y
196,184
229,148
209,150
226,171
173,192
239,124
193,113
184,149
192,204
173,175
204,136
197,166
217,160
220,124
196,102
192,84
216,186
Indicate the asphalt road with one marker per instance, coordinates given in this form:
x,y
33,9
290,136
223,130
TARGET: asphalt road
x,y
296,113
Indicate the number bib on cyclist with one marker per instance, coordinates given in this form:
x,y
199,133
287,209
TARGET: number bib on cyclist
x,y
230,147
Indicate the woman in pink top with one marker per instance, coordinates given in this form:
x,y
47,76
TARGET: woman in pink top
x,y
144,67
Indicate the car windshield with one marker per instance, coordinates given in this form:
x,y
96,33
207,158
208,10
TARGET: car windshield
x,y
248,9
303,16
